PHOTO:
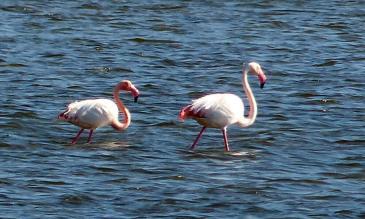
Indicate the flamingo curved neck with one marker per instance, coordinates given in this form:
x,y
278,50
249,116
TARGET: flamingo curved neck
x,y
120,126
250,119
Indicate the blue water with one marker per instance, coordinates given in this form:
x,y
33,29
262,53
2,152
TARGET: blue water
x,y
303,157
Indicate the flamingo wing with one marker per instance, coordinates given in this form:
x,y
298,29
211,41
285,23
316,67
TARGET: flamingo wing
x,y
214,110
90,114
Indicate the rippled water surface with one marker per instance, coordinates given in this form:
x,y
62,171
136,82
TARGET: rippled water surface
x,y
303,157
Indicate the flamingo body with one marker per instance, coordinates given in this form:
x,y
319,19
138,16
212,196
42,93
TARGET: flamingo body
x,y
215,110
91,114
221,110
95,113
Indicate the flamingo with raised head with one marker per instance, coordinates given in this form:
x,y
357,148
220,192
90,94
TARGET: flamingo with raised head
x,y
223,109
95,113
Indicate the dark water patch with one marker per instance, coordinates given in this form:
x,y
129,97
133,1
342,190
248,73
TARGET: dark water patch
x,y
52,183
335,26
63,30
40,85
322,102
153,41
85,42
123,24
173,177
55,17
4,144
75,199
75,87
280,117
24,114
346,175
281,50
326,63
164,7
122,69
147,171
35,25
168,62
109,69
53,55
5,181
306,94
7,39
165,124
169,28
13,125
354,158
123,9
151,86
357,142
280,24
332,174
91,6
174,201
38,188
322,197
349,164
105,169
345,213
298,181
118,180
19,9
354,176
14,65
145,55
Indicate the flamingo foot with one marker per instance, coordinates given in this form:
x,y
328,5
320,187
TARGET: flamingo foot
x,y
90,134
224,131
77,137
197,138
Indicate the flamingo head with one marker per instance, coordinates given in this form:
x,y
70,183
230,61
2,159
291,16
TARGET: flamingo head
x,y
256,69
128,86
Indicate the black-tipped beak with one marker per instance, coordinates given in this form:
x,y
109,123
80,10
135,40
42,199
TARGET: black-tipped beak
x,y
262,85
135,99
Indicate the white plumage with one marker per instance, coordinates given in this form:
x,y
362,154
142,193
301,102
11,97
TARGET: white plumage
x,y
222,110
91,114
218,110
95,113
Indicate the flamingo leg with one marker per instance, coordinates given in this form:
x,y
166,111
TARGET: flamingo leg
x,y
90,134
197,138
77,136
224,131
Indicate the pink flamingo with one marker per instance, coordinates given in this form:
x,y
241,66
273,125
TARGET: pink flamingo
x,y
95,113
223,109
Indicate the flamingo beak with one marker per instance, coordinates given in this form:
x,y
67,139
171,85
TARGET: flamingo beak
x,y
262,79
135,93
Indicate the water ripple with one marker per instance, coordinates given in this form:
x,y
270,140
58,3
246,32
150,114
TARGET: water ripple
x,y
305,149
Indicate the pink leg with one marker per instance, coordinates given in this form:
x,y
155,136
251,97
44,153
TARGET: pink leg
x,y
90,134
224,131
197,138
77,136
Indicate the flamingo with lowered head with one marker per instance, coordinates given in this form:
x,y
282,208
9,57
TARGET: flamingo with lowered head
x,y
223,109
95,113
